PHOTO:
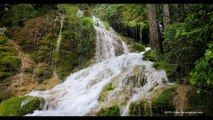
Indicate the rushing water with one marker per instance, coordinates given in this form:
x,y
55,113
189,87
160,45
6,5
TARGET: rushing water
x,y
132,79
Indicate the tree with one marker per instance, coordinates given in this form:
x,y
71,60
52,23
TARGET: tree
x,y
154,29
166,16
202,75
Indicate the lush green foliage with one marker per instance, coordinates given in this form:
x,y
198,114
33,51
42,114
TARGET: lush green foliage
x,y
129,20
78,38
202,75
19,106
188,55
39,35
18,14
186,42
113,110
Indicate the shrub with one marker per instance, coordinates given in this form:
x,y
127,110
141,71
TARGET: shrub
x,y
202,75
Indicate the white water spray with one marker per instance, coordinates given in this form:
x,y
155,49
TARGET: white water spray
x,y
131,77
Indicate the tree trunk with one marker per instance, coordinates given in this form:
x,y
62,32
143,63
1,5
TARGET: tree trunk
x,y
166,16
154,29
176,13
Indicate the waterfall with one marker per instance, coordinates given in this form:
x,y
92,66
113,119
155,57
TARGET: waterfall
x,y
132,79
59,37
58,46
107,43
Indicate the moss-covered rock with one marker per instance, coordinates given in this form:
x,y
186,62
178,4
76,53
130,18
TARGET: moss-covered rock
x,y
20,105
78,42
108,87
113,110
136,47
140,108
105,91
163,101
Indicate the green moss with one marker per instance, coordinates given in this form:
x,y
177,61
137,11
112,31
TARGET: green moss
x,y
12,63
3,40
113,110
108,87
136,47
123,103
87,21
67,62
69,10
42,71
19,106
140,108
164,101
18,14
9,61
106,24
105,91
77,44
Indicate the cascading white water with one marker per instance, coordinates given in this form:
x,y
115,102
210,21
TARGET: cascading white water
x,y
79,94
58,46
59,37
106,42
